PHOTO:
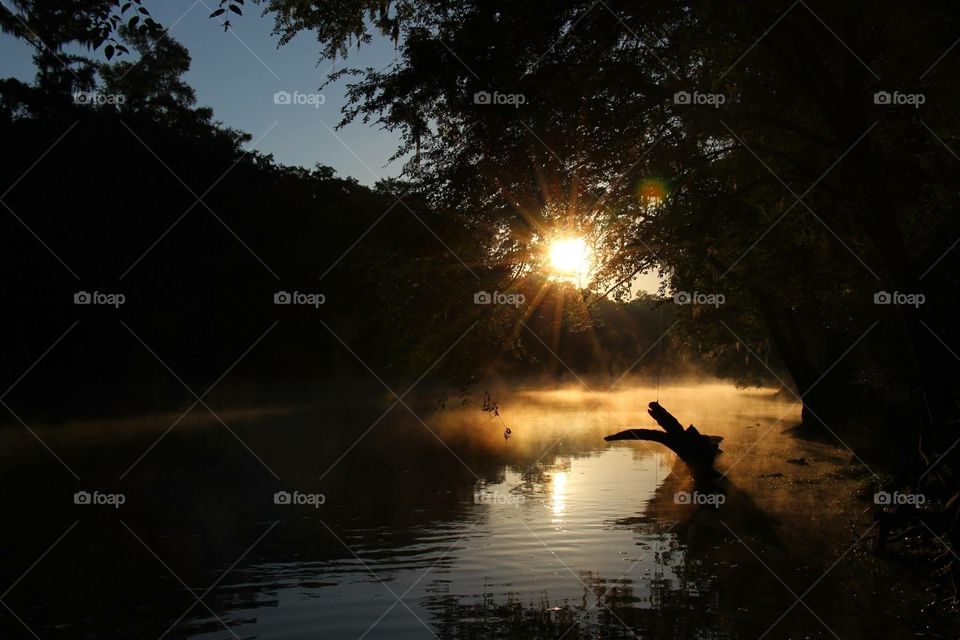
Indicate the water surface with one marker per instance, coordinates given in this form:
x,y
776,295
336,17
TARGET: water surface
x,y
435,525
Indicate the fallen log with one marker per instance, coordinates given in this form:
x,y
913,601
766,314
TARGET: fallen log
x,y
698,451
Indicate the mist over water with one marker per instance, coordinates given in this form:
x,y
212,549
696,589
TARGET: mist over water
x,y
477,535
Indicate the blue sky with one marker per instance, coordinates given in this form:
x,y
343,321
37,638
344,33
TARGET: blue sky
x,y
237,74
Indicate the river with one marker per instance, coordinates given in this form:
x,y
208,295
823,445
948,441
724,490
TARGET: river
x,y
352,516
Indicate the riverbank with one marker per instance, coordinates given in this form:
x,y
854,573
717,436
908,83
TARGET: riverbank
x,y
795,539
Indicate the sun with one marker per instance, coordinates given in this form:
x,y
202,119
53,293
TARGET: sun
x,y
570,256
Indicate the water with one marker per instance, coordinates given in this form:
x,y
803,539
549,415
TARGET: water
x,y
434,525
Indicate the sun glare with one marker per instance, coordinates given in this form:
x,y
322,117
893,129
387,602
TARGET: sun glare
x,y
570,256
558,497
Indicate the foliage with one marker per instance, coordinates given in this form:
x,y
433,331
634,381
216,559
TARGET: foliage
x,y
798,197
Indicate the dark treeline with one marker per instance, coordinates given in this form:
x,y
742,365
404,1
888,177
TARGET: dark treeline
x,y
199,298
104,199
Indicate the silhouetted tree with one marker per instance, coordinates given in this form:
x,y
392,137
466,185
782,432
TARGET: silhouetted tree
x,y
602,143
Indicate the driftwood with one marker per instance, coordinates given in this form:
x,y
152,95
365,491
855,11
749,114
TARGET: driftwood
x,y
698,451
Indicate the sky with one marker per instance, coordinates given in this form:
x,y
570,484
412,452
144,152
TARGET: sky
x,y
238,73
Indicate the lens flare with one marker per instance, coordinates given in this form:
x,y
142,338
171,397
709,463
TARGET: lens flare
x,y
652,192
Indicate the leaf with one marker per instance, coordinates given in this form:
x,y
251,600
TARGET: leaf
x,y
124,8
108,51
133,22
236,9
218,12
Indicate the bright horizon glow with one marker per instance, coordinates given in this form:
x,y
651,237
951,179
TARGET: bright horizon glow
x,y
570,256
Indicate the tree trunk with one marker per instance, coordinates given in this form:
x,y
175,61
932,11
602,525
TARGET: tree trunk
x,y
695,449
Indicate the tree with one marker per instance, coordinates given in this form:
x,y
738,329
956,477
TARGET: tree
x,y
154,84
49,27
738,146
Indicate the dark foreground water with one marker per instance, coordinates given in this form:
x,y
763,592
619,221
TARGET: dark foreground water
x,y
415,523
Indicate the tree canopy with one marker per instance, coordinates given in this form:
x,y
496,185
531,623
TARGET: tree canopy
x,y
795,157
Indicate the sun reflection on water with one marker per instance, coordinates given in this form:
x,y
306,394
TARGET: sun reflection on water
x,y
558,496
